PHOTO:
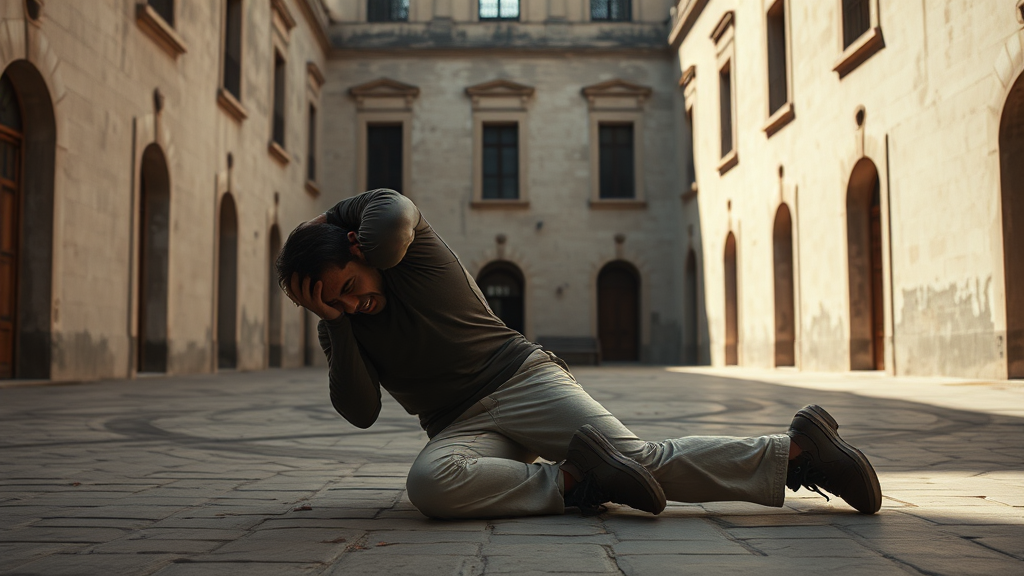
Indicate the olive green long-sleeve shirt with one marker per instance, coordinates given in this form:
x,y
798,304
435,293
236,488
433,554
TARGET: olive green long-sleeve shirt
x,y
436,346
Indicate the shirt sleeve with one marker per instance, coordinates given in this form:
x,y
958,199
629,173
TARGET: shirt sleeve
x,y
383,220
355,386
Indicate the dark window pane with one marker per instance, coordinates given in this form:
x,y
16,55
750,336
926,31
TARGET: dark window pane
x,y
311,146
279,82
501,162
384,157
725,108
856,20
165,8
614,10
10,109
387,10
777,89
616,177
233,49
499,9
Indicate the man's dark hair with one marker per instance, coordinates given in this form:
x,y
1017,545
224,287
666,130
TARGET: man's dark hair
x,y
310,249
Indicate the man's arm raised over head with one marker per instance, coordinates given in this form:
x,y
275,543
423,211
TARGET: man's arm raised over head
x,y
384,222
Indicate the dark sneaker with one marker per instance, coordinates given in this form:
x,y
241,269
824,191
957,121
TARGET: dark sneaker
x,y
609,476
830,463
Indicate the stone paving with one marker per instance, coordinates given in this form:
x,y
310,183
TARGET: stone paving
x,y
253,473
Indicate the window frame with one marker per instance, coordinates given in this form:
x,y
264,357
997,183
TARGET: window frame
x,y
315,81
627,18
499,18
278,149
689,86
500,102
779,118
724,37
861,49
229,102
158,29
617,102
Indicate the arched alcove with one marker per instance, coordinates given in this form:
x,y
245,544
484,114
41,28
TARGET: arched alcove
x,y
154,247
503,286
732,322
782,249
227,284
273,302
28,141
1011,166
864,250
618,311
691,324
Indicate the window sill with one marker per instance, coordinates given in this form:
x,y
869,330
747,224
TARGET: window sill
x,y
312,188
862,49
498,204
778,120
279,153
231,105
728,161
618,204
159,30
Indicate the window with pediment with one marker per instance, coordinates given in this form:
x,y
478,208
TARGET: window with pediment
x,y
616,114
500,141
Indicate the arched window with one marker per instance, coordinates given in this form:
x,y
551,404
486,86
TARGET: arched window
x,y
502,285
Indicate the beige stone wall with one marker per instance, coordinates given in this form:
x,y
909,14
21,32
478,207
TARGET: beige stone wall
x,y
102,69
932,98
559,241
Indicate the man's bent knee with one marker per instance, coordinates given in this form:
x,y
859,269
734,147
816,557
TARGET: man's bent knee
x,y
433,486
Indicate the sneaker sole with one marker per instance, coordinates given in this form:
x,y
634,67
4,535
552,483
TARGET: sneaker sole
x,y
824,421
600,445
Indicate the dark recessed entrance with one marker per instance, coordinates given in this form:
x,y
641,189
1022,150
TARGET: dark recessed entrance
x,y
227,284
502,285
274,352
864,245
618,311
154,243
1011,152
732,318
785,327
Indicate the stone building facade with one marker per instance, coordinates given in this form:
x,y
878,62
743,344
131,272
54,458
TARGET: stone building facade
x,y
857,183
147,183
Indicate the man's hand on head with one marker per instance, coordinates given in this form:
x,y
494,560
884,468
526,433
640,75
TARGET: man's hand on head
x,y
309,295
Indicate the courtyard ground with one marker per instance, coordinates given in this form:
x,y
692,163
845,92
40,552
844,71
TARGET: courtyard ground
x,y
254,473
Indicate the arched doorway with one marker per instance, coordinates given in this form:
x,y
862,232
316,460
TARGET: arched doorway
x,y
1011,151
502,285
785,327
732,319
691,340
618,311
154,244
864,249
274,303
227,284
28,139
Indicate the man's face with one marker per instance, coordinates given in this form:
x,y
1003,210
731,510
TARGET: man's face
x,y
355,289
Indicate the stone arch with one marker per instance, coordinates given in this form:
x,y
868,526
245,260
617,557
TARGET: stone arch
x,y
274,301
618,311
864,258
227,284
1011,172
31,229
154,260
503,285
782,250
732,323
691,310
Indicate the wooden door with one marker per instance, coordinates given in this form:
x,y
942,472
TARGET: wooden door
x,y
618,312
10,191
732,322
877,312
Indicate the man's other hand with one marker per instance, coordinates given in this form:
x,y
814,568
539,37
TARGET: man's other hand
x,y
306,293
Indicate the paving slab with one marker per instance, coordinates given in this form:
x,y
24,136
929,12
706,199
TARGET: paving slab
x,y
234,473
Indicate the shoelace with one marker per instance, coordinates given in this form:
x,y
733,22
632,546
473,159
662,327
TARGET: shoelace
x,y
588,497
802,473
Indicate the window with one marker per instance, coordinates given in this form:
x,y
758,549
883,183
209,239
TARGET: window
x,y
501,162
164,8
725,107
725,48
616,141
856,20
277,130
384,156
689,103
613,10
499,9
387,10
232,80
778,91
311,146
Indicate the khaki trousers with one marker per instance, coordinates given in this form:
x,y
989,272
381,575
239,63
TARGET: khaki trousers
x,y
483,464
